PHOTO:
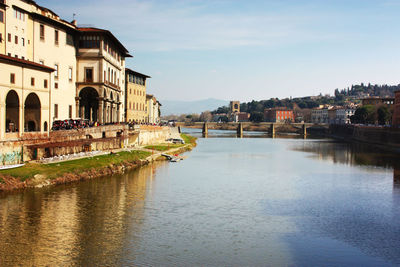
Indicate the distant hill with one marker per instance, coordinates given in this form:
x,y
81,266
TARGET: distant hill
x,y
170,107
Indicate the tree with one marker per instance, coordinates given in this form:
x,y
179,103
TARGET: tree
x,y
206,116
256,116
383,115
221,110
365,114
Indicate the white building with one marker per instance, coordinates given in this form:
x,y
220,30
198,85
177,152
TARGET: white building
x,y
343,115
319,115
38,35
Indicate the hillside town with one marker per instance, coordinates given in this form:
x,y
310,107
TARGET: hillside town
x,y
372,110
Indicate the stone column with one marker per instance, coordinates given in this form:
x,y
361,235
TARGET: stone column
x,y
240,130
111,112
21,125
77,111
272,130
3,122
205,129
118,111
100,110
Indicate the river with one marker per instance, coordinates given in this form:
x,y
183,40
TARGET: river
x,y
231,202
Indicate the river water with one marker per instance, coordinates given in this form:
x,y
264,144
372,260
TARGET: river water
x,y
231,202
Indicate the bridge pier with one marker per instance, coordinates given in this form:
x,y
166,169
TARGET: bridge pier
x,y
205,129
304,128
240,131
272,130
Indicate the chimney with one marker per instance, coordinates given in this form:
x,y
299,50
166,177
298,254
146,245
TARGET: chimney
x,y
74,22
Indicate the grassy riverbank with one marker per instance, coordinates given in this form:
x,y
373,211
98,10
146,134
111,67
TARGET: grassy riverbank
x,y
55,170
36,174
164,147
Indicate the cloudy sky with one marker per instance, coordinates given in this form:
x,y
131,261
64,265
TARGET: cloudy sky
x,y
244,50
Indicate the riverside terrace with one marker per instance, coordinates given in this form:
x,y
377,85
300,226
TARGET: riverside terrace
x,y
36,146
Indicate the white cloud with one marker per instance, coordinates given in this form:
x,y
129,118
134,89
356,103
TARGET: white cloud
x,y
176,25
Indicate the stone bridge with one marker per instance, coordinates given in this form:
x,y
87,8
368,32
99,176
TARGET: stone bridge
x,y
271,128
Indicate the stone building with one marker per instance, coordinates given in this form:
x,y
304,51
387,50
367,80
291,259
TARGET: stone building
x,y
234,107
135,96
100,83
278,115
24,97
153,111
37,34
377,101
396,112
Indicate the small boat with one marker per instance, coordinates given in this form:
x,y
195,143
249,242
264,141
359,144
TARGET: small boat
x,y
6,167
172,158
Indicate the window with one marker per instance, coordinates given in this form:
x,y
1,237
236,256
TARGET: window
x,y
9,37
70,111
56,85
105,76
23,41
12,78
16,39
56,70
42,32
45,83
33,81
70,73
19,15
89,42
89,74
1,16
55,110
1,37
56,37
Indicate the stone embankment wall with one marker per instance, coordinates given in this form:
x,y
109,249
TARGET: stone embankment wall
x,y
149,135
66,142
383,136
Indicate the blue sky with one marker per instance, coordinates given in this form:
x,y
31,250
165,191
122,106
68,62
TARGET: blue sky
x,y
244,50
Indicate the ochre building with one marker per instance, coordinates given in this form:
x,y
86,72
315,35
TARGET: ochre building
x,y
135,95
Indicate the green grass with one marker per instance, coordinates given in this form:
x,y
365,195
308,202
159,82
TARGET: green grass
x,y
188,139
164,147
55,170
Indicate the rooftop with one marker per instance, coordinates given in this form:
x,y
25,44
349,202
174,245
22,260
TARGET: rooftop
x,y
25,63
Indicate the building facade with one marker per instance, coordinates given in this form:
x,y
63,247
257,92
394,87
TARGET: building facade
x,y
234,107
24,97
376,101
135,96
100,86
153,110
396,112
278,115
37,34
319,115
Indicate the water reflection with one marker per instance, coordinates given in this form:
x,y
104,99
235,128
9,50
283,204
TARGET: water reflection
x,y
83,225
232,201
396,177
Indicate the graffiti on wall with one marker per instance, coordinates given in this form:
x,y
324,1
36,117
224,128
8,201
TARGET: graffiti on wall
x,y
11,158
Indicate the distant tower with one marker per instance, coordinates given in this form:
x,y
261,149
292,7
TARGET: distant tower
x,y
234,106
